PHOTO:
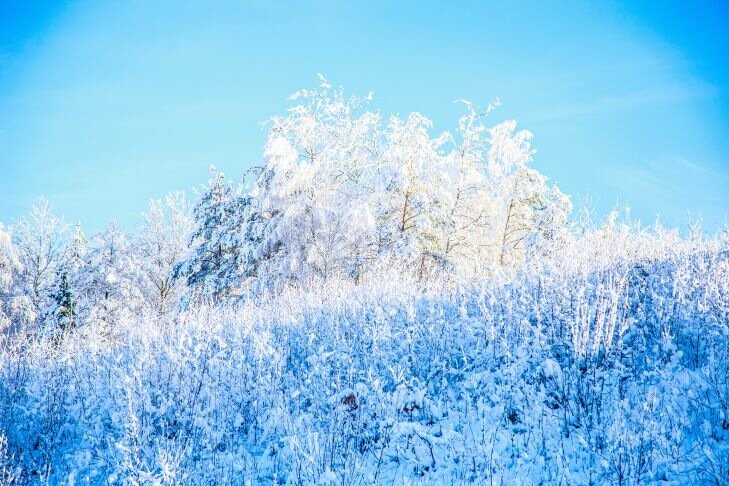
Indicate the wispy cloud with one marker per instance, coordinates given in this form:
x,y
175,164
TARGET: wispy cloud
x,y
670,179
656,96
692,166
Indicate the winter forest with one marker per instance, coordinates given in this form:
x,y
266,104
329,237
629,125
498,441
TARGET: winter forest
x,y
375,303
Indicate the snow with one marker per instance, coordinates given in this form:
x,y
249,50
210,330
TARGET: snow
x,y
378,307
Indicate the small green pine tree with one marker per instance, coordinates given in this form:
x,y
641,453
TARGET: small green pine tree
x,y
65,312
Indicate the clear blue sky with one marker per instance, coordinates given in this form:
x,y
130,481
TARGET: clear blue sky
x,y
104,104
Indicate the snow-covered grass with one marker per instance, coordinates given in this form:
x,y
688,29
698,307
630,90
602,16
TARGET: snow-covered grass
x,y
607,368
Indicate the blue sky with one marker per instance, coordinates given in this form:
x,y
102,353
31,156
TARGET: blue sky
x,y
106,104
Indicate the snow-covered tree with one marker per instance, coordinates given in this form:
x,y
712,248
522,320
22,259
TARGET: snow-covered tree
x,y
417,202
469,217
220,259
341,193
161,243
9,262
40,240
9,270
77,249
108,285
313,190
527,205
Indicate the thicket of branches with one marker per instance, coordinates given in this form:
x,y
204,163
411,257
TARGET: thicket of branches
x,y
371,304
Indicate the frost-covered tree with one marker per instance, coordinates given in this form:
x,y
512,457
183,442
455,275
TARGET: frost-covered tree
x,y
219,260
108,284
9,271
60,313
313,189
40,240
9,261
161,243
340,193
209,217
526,204
77,249
417,201
469,215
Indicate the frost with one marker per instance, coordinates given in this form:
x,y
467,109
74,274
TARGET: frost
x,y
374,304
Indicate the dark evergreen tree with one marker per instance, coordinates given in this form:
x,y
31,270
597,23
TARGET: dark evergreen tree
x,y
64,312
